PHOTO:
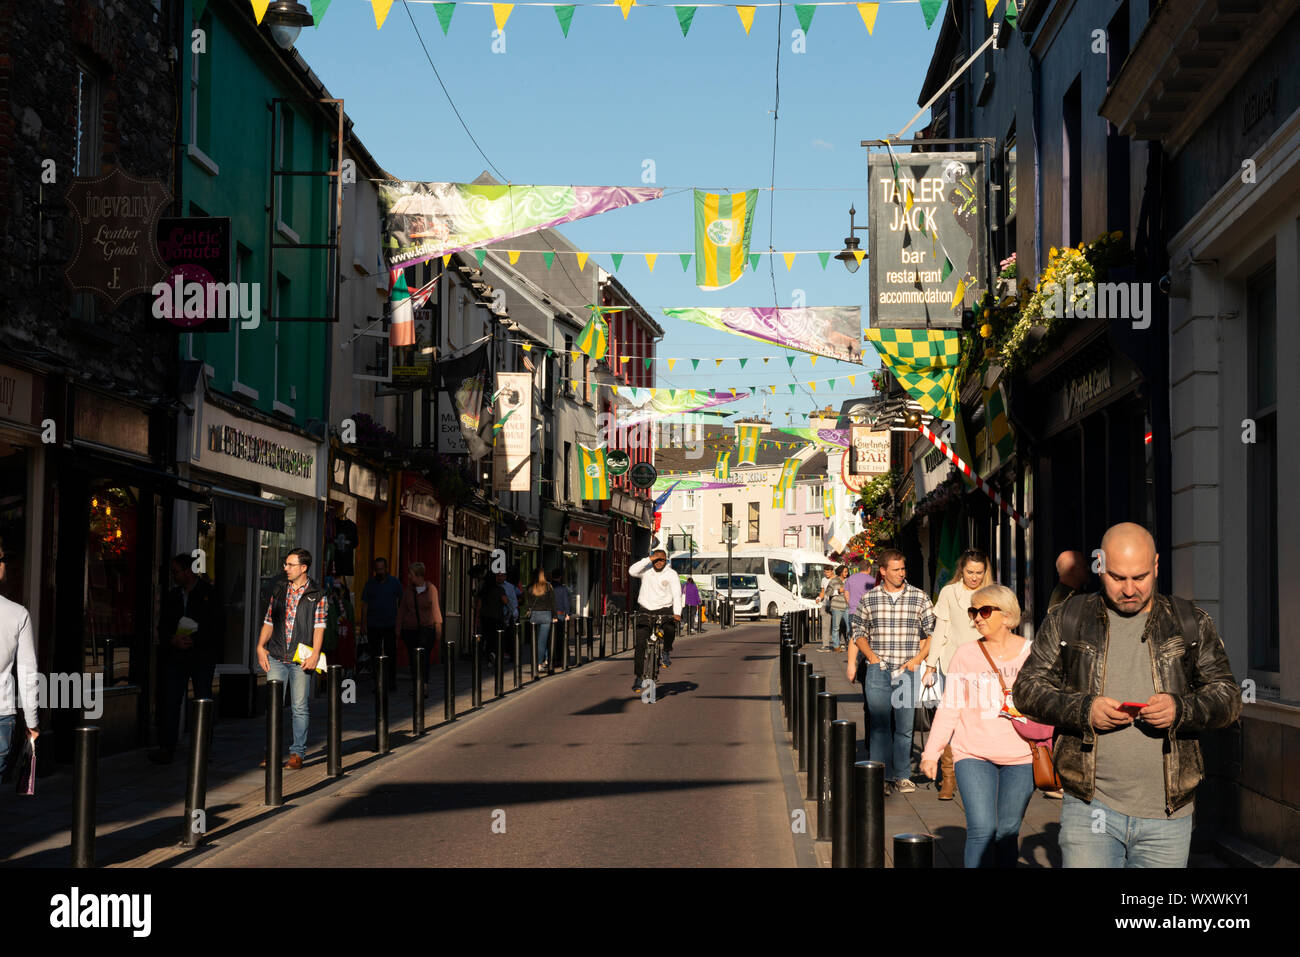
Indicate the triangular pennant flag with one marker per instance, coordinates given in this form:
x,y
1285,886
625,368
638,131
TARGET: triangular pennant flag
x,y
526,347
686,260
684,17
851,378
626,6
615,389
565,16
672,393
946,269
742,363
930,8
624,358
318,8
812,385
549,258
652,392
804,11
444,12
650,260
753,261
549,353
691,392
671,363
859,254
618,260
869,11
825,258
718,362
514,255
790,359
814,359
733,392
746,17
773,388
480,255
501,13
648,360
381,8
765,358
633,388
445,260
831,383
695,364
259,10
789,261
713,393
991,5
792,388
959,294
1013,14
582,261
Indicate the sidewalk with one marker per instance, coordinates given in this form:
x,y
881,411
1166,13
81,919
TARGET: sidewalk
x,y
921,812
141,805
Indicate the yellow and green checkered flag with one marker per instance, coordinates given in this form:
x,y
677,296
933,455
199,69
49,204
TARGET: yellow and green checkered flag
x,y
594,338
925,363
595,475
747,440
788,471
722,470
723,223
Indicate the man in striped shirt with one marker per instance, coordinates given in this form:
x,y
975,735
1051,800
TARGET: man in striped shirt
x,y
891,628
296,616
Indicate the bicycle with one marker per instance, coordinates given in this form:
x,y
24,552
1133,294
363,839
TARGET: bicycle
x,y
654,645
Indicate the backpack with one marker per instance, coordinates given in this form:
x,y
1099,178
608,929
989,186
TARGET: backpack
x,y
1184,614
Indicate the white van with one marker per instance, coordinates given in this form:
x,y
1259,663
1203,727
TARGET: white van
x,y
789,579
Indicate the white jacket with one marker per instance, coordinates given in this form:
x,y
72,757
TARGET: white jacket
x,y
659,589
953,627
16,643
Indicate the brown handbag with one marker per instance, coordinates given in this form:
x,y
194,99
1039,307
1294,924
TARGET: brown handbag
x,y
1045,776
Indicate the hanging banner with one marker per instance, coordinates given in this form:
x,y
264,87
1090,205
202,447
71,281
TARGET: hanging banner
x,y
788,472
835,438
723,223
831,331
925,363
671,402
928,245
691,485
465,379
511,465
1000,441
595,474
747,440
722,470
425,220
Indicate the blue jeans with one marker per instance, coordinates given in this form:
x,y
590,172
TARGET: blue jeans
x,y
6,739
995,797
1094,835
542,624
881,698
838,616
298,684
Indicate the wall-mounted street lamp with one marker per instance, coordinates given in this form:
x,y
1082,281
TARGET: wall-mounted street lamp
x,y
849,254
285,19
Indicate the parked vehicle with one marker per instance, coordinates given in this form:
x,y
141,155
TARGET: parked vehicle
x,y
789,579
743,590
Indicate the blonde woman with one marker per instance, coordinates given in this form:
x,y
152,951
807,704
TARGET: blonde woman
x,y
993,763
953,630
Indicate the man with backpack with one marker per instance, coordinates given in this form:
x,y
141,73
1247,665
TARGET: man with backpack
x,y
1129,678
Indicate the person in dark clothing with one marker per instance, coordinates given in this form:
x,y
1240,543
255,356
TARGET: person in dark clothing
x,y
190,634
493,610
380,599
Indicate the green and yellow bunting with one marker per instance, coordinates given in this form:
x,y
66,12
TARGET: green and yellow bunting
x,y
722,470
747,442
444,11
565,16
595,474
684,17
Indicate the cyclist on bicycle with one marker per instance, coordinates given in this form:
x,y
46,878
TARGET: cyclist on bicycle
x,y
661,594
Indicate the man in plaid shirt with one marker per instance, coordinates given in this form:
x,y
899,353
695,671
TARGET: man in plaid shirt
x,y
891,628
296,616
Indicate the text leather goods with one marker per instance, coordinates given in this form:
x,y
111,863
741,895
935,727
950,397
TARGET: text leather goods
x,y
1045,776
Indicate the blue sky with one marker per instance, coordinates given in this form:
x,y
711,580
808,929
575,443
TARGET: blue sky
x,y
591,109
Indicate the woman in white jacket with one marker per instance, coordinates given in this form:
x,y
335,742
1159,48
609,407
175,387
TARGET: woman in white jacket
x,y
954,629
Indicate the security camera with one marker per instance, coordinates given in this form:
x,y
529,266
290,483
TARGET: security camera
x,y
1166,283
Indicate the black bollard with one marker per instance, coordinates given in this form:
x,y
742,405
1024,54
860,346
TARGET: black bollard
x,y
796,675
786,649
812,733
334,723
196,783
603,619
417,712
519,654
844,743
591,636
869,814
476,675
499,676
804,679
382,664
274,742
85,784
913,851
449,681
827,706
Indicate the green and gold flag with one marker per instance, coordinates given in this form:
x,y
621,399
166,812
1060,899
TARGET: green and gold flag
x,y
595,475
1001,440
925,363
778,496
788,472
723,223
747,440
722,470
594,338
828,502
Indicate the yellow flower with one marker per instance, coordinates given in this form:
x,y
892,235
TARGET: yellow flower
x,y
1117,234
1080,247
1051,253
986,331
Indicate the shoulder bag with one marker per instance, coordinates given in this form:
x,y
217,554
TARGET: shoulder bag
x,y
1045,776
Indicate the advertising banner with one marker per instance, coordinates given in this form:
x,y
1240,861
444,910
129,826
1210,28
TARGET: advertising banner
x,y
832,331
511,465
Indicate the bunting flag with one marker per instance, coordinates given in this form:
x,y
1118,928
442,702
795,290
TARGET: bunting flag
x,y
804,11
444,11
594,338
830,331
686,260
788,472
930,10
401,329
1013,13
722,470
595,474
684,17
423,221
869,11
747,442
746,17
1001,441
501,13
925,363
723,223
565,15
259,10
381,8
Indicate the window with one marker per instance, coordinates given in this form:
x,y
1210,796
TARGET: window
x,y
568,471
1118,185
1009,193
284,184
753,521
815,493
201,95
245,342
688,500
726,513
1072,166
815,538
1261,473
791,498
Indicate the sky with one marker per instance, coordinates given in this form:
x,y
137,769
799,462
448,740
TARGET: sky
x,y
594,108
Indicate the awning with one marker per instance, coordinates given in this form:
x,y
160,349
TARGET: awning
x,y
235,508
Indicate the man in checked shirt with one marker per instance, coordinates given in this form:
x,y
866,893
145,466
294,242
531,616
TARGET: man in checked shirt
x,y
296,616
891,628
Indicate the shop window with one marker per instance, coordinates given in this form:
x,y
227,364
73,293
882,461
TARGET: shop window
x,y
111,586
1262,474
753,521
273,548
1072,157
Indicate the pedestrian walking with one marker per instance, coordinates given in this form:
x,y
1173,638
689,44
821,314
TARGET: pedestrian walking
x,y
512,592
1118,673
691,602
891,627
379,600
419,620
296,616
838,605
824,599
857,585
660,594
975,723
539,608
493,611
191,631
17,647
954,628
1071,575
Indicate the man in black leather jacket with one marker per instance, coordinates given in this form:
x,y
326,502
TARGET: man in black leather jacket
x,y
1129,688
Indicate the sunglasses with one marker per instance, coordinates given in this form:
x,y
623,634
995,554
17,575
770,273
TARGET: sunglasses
x,y
983,611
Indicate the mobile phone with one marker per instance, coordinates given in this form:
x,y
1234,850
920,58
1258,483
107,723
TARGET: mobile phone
x,y
1132,707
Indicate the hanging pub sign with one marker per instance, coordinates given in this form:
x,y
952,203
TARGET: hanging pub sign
x,y
117,220
512,463
196,251
867,457
643,474
928,245
618,462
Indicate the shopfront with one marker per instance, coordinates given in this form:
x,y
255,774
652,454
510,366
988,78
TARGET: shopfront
x,y
587,544
22,469
466,554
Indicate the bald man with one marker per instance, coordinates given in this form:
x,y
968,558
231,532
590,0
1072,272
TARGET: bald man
x,y
1071,575
1129,678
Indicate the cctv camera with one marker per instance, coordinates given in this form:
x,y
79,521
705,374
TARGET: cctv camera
x,y
1166,283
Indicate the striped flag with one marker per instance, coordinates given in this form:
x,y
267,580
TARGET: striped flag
x,y
595,474
722,470
788,472
828,502
747,440
401,330
1001,440
723,223
594,338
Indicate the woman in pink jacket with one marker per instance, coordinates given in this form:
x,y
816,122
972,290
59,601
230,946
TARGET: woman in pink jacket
x,y
993,762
